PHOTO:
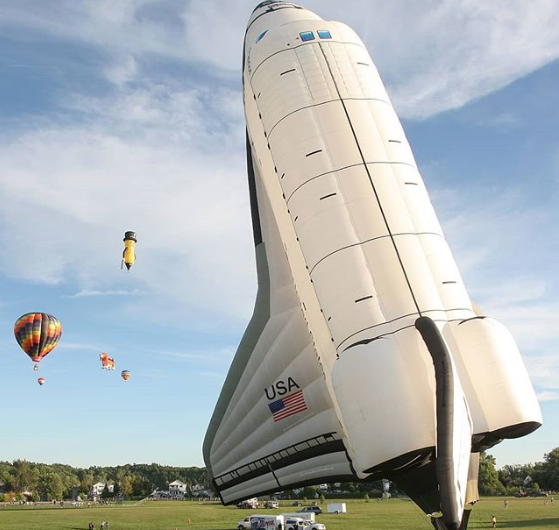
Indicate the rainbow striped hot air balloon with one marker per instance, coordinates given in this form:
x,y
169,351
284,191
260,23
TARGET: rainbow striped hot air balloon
x,y
125,374
37,334
41,381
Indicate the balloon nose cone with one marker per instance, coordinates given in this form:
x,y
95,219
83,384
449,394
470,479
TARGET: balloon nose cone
x,y
128,265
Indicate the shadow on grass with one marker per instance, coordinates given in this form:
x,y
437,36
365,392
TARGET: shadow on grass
x,y
533,523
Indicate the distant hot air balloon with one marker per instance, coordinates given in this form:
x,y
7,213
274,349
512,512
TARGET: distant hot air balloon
x,y
125,374
41,381
37,334
107,363
129,254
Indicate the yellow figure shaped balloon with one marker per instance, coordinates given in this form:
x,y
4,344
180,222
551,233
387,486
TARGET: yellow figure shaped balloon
x,y
129,254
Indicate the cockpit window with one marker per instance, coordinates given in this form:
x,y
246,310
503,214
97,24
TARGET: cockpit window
x,y
261,35
324,34
306,35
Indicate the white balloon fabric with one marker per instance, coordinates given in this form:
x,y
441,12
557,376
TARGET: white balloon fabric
x,y
365,358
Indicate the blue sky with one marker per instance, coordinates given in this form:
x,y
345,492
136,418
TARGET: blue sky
x,y
128,115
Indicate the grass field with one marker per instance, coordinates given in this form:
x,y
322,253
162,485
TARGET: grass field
x,y
166,515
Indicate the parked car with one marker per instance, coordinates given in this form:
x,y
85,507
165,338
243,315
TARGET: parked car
x,y
316,509
298,523
251,504
271,504
538,494
297,503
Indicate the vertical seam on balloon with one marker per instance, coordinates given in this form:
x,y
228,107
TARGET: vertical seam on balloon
x,y
43,337
371,180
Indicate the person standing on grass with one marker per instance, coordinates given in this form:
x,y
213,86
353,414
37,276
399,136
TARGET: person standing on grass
x,y
493,522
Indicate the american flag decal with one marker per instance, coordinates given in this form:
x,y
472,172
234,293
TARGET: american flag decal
x,y
288,405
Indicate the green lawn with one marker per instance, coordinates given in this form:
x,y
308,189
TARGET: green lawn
x,y
165,515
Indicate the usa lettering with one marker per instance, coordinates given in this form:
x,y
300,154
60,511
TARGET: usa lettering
x,y
280,388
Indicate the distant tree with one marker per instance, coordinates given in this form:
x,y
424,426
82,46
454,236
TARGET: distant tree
x,y
141,486
126,486
70,483
86,482
488,478
550,470
309,491
116,490
50,486
24,476
106,493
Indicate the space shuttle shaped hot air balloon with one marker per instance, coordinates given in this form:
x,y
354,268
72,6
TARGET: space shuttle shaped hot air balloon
x,y
364,358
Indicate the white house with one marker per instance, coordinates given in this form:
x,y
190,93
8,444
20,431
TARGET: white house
x,y
177,488
98,488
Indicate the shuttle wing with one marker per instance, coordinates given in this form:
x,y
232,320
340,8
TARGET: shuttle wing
x,y
274,426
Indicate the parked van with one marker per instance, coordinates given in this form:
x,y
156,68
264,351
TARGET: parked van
x,y
267,522
307,516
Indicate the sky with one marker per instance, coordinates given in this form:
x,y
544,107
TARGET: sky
x,y
121,115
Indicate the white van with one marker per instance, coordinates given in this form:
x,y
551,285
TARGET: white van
x,y
267,522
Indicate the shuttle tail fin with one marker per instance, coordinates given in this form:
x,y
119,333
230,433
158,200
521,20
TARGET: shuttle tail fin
x,y
454,427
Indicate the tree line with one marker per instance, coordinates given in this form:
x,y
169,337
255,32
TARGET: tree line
x,y
59,481
513,479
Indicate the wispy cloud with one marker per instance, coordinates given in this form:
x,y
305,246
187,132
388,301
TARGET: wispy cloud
x,y
548,396
435,55
65,345
500,238
155,143
122,71
413,42
144,160
209,356
86,293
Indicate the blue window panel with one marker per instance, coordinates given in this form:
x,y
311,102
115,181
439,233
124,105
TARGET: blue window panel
x,y
306,35
261,35
324,34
